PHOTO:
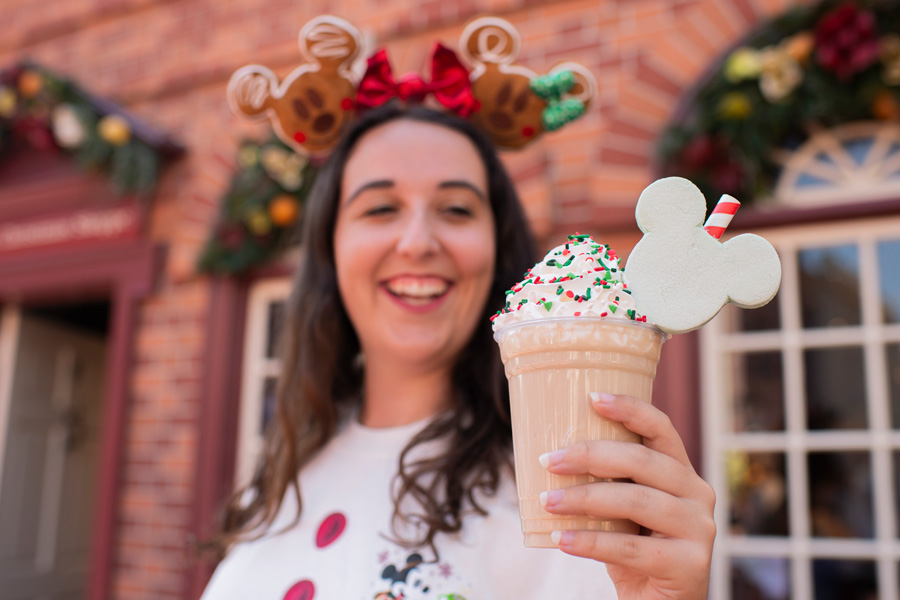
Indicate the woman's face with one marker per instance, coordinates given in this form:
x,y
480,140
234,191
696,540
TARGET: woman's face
x,y
414,242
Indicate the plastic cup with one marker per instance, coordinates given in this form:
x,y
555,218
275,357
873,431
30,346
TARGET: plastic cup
x,y
552,366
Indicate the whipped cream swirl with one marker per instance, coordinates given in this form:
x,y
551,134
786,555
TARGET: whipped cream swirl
x,y
580,278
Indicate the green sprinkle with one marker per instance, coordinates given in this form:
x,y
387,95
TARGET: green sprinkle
x,y
559,290
551,262
572,276
587,294
509,292
627,292
568,262
613,308
547,305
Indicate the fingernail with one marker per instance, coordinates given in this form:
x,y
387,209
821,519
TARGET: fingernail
x,y
551,458
551,498
602,398
561,537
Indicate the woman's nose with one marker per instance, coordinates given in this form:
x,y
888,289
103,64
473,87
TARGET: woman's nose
x,y
417,238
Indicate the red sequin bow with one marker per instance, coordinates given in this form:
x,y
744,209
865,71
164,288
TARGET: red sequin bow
x,y
449,83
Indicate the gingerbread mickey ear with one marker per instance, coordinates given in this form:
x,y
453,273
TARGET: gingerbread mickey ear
x,y
517,106
311,107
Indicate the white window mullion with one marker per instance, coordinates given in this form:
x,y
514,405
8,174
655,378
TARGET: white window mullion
x,y
795,424
715,389
879,420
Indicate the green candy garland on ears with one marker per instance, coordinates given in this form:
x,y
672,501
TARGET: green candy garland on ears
x,y
559,110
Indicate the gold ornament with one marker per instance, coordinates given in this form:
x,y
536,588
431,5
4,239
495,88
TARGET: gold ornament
x,y
890,56
284,210
284,166
735,106
30,84
7,102
248,155
114,129
258,222
780,74
743,63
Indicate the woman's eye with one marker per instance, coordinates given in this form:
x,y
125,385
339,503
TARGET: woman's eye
x,y
381,209
459,211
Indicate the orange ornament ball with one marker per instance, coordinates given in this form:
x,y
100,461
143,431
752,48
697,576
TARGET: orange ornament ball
x,y
30,84
886,107
284,210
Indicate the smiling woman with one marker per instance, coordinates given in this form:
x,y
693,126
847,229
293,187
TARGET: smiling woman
x,y
393,409
414,254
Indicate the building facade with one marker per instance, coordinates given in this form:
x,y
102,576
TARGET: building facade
x,y
134,387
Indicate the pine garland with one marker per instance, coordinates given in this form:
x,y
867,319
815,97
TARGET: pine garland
x,y
812,68
262,208
53,114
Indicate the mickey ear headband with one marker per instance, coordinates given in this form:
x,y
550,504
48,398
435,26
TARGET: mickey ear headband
x,y
312,106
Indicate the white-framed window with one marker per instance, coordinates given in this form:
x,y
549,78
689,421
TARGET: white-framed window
x,y
261,368
801,421
858,161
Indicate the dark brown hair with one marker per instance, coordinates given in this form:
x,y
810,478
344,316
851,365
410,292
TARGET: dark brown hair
x,y
319,348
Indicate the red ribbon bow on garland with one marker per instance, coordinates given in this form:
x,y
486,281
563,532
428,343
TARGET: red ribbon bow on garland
x,y
449,83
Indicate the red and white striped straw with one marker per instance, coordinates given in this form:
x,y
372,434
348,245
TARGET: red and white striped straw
x,y
721,215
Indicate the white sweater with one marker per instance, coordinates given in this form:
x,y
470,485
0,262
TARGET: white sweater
x,y
340,549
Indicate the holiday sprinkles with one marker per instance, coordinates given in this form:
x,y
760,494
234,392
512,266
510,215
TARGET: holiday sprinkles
x,y
580,278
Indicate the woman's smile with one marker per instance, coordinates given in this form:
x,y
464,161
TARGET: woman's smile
x,y
418,291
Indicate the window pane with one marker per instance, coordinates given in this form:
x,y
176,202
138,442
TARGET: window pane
x,y
829,286
758,403
893,373
275,325
835,388
840,494
268,403
760,578
758,491
889,275
844,580
760,319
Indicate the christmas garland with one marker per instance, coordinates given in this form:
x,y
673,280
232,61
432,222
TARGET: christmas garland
x,y
261,209
52,114
812,68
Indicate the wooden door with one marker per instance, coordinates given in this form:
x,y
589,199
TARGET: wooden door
x,y
50,417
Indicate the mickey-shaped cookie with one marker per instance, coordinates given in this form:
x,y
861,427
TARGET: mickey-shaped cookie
x,y
679,275
311,107
516,105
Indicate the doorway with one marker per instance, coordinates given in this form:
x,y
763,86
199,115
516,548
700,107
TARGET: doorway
x,y
52,375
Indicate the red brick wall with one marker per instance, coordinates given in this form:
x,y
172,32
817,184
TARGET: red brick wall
x,y
168,61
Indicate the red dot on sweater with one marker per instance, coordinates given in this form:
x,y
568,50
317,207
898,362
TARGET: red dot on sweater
x,y
299,137
330,529
347,103
302,590
528,131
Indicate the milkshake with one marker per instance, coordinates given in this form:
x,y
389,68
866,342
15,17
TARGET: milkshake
x,y
569,329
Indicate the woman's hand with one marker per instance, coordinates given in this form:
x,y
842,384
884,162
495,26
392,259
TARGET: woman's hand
x,y
667,497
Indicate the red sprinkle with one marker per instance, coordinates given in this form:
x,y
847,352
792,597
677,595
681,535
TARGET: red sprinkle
x,y
603,314
570,294
578,314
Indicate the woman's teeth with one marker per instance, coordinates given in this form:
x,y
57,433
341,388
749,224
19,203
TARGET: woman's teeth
x,y
417,289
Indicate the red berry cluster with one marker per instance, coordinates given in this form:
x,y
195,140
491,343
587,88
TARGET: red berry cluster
x,y
846,41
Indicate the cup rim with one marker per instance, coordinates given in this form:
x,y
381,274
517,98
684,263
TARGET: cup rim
x,y
626,322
